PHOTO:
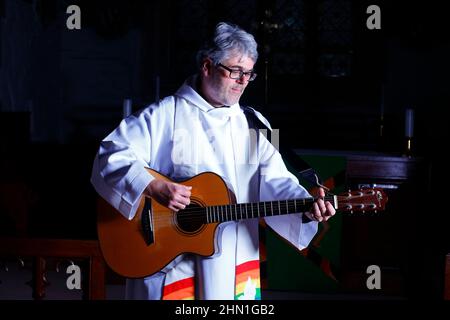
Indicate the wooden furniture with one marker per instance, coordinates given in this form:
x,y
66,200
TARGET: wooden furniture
x,y
391,239
397,240
93,268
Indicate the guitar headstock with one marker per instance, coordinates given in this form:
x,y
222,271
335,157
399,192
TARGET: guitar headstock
x,y
364,200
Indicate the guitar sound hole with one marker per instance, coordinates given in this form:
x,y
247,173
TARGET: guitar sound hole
x,y
191,219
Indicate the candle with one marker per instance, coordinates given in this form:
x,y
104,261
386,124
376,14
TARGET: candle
x,y
409,123
126,107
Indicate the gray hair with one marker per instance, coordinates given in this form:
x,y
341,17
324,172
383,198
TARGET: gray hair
x,y
228,40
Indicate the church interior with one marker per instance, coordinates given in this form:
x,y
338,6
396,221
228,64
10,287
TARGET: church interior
x,y
356,89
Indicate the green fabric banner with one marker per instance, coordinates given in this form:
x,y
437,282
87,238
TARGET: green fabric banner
x,y
314,269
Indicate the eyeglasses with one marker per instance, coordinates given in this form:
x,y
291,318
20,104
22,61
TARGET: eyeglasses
x,y
238,74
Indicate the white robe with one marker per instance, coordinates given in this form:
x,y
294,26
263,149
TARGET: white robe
x,y
181,136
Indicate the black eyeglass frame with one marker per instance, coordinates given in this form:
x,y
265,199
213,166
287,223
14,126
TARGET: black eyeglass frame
x,y
250,74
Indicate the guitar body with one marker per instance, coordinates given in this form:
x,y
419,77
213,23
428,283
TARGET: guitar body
x,y
126,246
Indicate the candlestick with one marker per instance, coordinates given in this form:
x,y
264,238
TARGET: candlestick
x,y
409,131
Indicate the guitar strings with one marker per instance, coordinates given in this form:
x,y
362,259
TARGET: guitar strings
x,y
228,208
196,214
199,213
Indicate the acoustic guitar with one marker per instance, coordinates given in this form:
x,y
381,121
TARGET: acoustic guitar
x,y
156,235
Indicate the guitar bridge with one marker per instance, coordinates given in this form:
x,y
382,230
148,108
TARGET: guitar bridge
x,y
147,222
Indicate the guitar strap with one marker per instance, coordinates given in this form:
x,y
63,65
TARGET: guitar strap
x,y
254,122
304,169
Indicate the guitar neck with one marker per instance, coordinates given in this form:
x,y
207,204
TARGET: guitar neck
x,y
243,211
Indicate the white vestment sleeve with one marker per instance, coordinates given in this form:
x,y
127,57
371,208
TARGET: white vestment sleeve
x,y
277,183
118,173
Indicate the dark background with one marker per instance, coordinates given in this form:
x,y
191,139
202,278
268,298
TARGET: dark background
x,y
324,79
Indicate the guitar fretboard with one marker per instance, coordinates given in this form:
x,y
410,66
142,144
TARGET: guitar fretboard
x,y
242,211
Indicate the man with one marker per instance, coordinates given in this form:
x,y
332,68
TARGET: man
x,y
203,128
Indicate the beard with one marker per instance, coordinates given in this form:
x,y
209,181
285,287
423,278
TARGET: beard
x,y
223,92
229,95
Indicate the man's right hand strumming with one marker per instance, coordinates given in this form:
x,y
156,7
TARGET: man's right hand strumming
x,y
172,195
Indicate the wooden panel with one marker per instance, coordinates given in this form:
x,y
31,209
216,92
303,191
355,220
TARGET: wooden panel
x,y
390,168
40,249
